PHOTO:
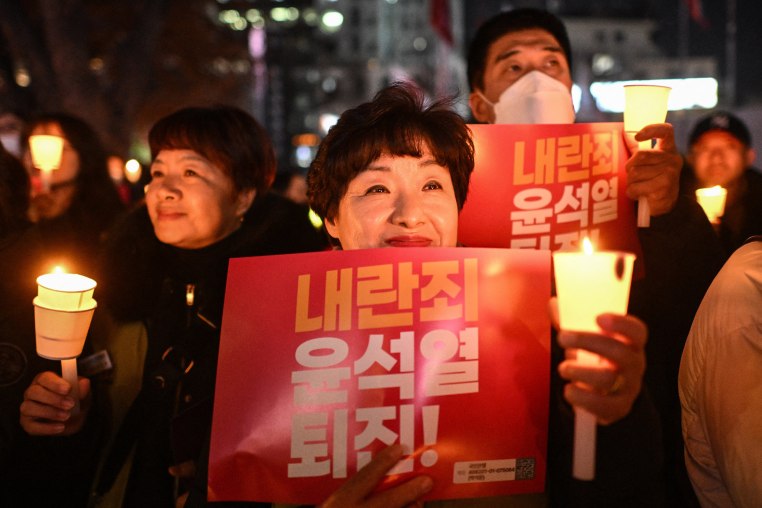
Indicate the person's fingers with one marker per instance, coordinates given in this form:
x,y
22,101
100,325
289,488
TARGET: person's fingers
x,y
33,409
84,388
52,382
615,350
653,167
41,419
664,133
181,500
41,395
367,478
654,174
41,428
401,495
598,378
356,490
185,469
628,329
607,389
607,408
46,408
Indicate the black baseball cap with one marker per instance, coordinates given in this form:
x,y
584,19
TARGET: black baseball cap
x,y
721,121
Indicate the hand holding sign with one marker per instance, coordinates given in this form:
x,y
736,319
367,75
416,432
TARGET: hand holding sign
x,y
358,490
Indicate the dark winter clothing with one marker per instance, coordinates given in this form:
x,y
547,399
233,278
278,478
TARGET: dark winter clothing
x,y
179,296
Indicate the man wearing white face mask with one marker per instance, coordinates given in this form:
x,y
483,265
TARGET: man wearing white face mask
x,y
534,98
519,70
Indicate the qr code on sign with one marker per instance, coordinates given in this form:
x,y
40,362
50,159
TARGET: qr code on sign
x,y
525,468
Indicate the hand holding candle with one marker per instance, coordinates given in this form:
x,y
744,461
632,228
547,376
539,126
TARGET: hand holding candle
x,y
644,105
589,284
63,309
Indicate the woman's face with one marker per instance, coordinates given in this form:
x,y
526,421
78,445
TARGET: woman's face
x,y
57,198
192,202
398,202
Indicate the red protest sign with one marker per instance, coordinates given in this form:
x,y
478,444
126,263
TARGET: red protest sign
x,y
326,358
549,186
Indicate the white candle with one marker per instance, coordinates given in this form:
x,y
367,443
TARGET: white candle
x,y
65,291
588,284
644,105
63,310
712,200
46,154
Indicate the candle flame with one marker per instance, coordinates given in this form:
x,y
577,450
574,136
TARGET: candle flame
x,y
587,246
713,191
58,269
133,171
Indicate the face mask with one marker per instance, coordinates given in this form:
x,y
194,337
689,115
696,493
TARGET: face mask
x,y
535,98
11,143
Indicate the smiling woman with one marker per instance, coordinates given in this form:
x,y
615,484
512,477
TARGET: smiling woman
x,y
166,266
393,172
191,201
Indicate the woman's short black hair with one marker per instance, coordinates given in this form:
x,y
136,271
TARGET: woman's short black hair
x,y
227,136
396,122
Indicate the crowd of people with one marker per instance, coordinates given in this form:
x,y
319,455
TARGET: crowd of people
x,y
394,171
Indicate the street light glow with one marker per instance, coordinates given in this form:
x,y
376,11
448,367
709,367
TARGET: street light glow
x,y
332,20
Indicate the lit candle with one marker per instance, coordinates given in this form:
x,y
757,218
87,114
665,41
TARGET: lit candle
x,y
712,200
589,284
644,105
46,153
133,170
63,310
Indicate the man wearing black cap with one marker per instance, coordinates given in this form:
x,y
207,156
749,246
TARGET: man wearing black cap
x,y
721,153
519,70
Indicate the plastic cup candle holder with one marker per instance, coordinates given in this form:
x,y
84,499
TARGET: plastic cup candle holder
x,y
588,284
644,105
46,151
63,310
712,200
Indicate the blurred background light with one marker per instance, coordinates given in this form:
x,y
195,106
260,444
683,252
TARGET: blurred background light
x,y
687,93
331,21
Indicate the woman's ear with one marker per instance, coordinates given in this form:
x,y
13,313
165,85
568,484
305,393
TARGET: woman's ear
x,y
331,227
244,200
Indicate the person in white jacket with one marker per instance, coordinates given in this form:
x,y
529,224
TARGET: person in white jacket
x,y
721,386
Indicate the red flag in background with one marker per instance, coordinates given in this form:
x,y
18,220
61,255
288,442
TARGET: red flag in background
x,y
440,19
696,11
